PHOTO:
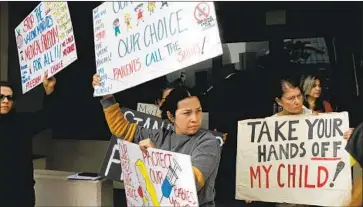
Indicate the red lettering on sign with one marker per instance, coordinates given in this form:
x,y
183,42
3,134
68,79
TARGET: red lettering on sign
x,y
156,176
69,49
56,67
126,70
158,159
130,192
28,23
33,83
256,174
187,53
33,49
298,176
100,35
50,38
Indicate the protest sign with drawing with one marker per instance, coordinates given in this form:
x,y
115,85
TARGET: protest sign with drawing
x,y
136,42
157,177
294,159
45,43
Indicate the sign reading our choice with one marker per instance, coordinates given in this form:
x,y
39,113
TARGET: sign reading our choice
x,y
136,42
45,43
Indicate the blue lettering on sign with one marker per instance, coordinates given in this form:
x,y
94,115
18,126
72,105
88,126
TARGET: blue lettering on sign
x,y
39,29
23,67
37,65
129,45
99,15
160,30
103,76
155,32
102,90
100,70
50,57
154,57
25,77
38,13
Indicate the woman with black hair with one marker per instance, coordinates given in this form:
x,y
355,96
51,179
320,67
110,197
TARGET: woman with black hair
x,y
184,111
311,86
163,93
288,96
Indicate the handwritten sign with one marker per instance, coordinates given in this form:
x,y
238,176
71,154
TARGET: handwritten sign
x,y
294,159
139,41
157,177
45,43
111,167
151,109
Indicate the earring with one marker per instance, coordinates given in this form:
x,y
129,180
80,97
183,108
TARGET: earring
x,y
171,118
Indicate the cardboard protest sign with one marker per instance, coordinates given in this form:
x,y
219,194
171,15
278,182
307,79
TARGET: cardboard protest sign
x,y
111,165
139,41
294,159
157,177
45,43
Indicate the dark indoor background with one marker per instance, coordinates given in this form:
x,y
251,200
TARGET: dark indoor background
x,y
247,95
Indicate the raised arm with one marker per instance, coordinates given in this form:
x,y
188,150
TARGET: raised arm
x,y
116,121
120,126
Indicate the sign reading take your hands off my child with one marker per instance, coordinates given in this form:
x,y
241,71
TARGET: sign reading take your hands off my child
x,y
139,41
45,43
294,159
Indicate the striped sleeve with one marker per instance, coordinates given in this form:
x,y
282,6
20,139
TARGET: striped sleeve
x,y
121,127
117,124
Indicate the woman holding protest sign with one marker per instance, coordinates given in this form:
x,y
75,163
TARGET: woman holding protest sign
x,y
290,99
311,86
185,112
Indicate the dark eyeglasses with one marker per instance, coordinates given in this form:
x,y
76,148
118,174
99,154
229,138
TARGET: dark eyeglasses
x,y
9,97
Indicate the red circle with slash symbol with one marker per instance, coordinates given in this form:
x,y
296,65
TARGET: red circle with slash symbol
x,y
201,11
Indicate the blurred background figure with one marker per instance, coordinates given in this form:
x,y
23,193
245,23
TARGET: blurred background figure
x,y
311,86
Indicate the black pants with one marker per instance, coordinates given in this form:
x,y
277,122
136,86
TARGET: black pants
x,y
20,197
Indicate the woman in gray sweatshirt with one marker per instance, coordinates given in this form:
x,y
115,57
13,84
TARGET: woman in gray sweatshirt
x,y
185,112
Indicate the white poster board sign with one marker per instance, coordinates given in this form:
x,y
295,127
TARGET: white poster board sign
x,y
294,159
139,41
157,177
45,43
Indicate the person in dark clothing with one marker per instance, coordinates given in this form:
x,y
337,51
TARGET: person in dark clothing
x,y
17,129
355,148
355,144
